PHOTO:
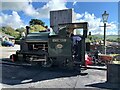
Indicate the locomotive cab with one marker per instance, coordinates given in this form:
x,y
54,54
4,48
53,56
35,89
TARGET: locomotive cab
x,y
68,49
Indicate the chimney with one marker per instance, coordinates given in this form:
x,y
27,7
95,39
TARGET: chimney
x,y
27,30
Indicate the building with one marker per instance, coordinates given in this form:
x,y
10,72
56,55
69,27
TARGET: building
x,y
11,38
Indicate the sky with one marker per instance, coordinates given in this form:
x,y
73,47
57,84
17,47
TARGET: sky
x,y
18,14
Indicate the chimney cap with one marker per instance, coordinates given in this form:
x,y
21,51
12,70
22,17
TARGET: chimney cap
x,y
27,27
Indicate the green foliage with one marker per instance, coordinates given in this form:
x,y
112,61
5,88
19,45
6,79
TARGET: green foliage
x,y
93,38
36,28
36,22
111,38
114,40
118,39
20,30
78,32
10,31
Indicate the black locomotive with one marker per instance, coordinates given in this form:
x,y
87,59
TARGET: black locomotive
x,y
63,49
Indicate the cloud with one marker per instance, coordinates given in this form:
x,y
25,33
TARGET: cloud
x,y
55,5
12,20
43,12
28,9
112,32
16,6
77,16
112,26
50,6
74,3
95,23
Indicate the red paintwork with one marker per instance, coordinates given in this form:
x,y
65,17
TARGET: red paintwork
x,y
88,60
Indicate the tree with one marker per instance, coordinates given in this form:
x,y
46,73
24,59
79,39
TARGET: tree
x,y
117,40
10,31
20,30
36,22
94,38
37,28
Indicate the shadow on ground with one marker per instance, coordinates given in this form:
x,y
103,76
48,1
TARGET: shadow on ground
x,y
13,75
105,85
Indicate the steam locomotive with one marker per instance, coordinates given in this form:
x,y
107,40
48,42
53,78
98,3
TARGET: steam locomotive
x,y
64,49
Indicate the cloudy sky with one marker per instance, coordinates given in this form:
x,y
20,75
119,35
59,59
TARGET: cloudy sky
x,y
18,14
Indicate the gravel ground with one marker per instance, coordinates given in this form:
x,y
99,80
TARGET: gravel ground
x,y
36,77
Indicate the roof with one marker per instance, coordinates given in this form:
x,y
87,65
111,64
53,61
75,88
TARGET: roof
x,y
3,34
83,25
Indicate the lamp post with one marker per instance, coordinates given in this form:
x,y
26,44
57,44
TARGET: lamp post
x,y
105,18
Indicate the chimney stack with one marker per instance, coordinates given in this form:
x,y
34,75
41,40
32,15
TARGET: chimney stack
x,y
27,30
